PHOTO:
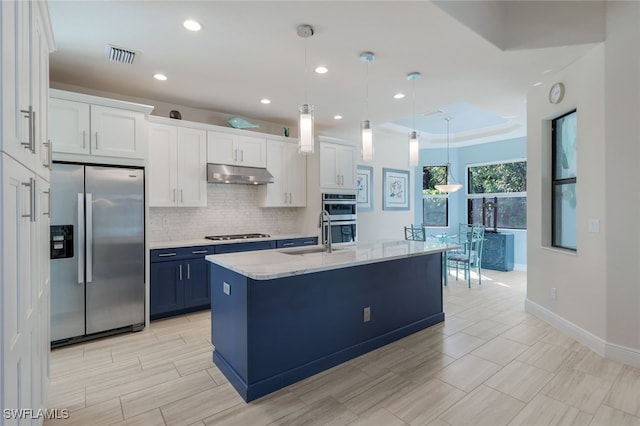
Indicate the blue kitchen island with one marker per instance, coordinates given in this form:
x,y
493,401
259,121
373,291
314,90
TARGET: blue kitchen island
x,y
279,316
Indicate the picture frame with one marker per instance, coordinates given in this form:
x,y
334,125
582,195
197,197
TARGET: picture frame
x,y
396,193
364,187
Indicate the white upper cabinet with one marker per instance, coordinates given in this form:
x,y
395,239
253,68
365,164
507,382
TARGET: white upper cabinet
x,y
177,166
289,170
82,125
236,149
337,166
26,43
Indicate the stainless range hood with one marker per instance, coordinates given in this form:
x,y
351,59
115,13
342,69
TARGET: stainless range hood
x,y
224,173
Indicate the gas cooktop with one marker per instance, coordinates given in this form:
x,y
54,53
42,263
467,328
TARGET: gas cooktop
x,y
236,237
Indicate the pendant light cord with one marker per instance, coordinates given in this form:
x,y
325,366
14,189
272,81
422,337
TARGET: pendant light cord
x,y
448,119
414,105
367,87
305,70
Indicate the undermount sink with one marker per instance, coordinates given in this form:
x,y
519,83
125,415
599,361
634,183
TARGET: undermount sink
x,y
306,251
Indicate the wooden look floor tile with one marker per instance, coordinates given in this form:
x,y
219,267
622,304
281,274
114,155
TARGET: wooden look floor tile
x,y
527,333
200,404
101,414
372,392
422,366
558,338
543,410
260,412
161,394
483,406
546,356
625,391
519,380
323,412
607,416
486,329
423,403
150,418
577,389
336,381
459,344
500,351
378,416
589,362
468,372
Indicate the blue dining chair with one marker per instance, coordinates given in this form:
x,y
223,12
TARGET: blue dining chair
x,y
471,254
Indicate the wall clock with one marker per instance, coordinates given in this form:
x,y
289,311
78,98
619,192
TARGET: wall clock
x,y
556,93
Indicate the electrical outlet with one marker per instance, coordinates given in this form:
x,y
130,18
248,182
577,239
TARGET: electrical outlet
x,y
226,288
366,314
554,293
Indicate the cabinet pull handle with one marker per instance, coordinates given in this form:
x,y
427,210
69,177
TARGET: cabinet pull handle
x,y
290,198
181,196
48,145
242,155
32,199
84,139
308,242
285,198
28,114
288,244
174,195
166,254
96,140
200,252
33,132
188,271
235,155
337,179
47,213
180,267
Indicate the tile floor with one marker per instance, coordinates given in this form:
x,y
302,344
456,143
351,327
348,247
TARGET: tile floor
x,y
489,363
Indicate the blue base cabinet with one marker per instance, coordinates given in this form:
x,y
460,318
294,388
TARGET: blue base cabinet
x,y
179,281
497,251
269,334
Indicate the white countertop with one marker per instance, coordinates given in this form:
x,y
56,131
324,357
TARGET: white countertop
x,y
204,242
271,264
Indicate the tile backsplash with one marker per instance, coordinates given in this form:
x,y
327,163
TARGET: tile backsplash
x,y
231,209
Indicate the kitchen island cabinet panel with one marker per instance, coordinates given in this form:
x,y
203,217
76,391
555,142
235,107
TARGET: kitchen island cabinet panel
x,y
297,242
271,332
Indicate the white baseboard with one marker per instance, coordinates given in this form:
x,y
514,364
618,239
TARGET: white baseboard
x,y
600,346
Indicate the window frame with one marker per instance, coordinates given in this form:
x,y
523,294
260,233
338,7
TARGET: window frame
x,y
555,182
491,195
444,195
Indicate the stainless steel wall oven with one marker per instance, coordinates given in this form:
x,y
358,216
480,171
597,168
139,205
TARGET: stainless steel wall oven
x,y
342,211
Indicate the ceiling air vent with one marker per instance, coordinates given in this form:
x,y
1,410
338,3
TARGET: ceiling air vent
x,y
119,54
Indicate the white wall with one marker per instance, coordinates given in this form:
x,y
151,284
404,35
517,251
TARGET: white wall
x,y
598,296
391,150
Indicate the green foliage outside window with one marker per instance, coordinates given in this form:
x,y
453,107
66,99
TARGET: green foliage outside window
x,y
498,178
435,204
432,176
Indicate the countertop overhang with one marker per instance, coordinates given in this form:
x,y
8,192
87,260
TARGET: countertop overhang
x,y
279,263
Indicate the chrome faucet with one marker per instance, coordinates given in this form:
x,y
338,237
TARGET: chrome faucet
x,y
326,243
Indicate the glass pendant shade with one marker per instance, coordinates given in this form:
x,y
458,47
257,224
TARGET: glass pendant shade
x,y
414,149
305,129
452,185
367,141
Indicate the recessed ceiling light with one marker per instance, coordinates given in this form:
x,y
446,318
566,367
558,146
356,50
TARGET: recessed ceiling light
x,y
337,117
160,77
322,69
398,96
265,101
192,25
539,83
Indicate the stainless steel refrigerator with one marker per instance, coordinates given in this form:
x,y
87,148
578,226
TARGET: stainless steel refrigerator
x,y
97,251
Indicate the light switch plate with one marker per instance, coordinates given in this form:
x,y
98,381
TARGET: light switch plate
x,y
594,225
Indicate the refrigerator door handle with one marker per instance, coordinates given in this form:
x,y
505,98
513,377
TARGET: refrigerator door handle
x,y
89,227
80,233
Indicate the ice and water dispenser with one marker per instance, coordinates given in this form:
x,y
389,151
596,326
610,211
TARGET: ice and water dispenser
x,y
61,241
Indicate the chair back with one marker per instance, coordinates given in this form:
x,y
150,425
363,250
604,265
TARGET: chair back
x,y
414,233
475,244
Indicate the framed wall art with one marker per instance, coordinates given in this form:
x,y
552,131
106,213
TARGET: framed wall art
x,y
395,189
364,186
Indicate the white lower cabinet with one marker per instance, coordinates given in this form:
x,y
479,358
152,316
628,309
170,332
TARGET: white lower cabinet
x,y
177,166
289,170
24,295
337,166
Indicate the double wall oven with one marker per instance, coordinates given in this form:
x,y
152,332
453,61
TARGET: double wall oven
x,y
342,211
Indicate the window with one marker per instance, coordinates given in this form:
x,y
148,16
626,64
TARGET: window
x,y
502,184
435,204
563,181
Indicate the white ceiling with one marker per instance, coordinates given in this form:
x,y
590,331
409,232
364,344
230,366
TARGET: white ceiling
x,y
250,50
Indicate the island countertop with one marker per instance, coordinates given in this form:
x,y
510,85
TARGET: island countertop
x,y
279,263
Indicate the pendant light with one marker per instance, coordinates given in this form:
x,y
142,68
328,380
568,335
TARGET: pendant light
x,y
365,127
414,142
305,111
452,185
